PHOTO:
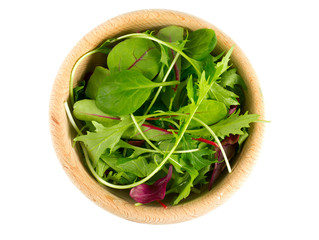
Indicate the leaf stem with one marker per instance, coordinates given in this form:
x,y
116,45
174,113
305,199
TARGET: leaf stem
x,y
69,114
204,125
164,80
149,142
75,66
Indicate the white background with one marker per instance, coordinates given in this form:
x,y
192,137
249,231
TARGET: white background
x,y
279,200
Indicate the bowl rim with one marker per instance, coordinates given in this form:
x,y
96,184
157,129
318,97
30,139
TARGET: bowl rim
x,y
61,132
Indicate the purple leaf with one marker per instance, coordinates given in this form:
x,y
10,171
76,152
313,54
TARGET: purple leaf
x,y
232,109
148,193
230,145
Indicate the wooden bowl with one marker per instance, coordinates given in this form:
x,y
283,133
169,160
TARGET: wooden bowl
x,y
119,202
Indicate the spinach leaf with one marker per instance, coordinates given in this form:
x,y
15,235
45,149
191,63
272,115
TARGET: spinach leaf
x,y
137,54
86,110
210,112
200,43
124,92
99,74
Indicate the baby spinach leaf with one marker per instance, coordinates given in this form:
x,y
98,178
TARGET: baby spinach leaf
x,y
124,92
103,138
210,112
99,74
171,34
86,110
200,43
137,54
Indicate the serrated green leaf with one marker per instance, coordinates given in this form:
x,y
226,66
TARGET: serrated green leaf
x,y
223,95
103,138
230,78
234,124
183,185
196,159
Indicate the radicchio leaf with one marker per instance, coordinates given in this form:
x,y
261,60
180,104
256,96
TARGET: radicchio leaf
x,y
230,145
148,193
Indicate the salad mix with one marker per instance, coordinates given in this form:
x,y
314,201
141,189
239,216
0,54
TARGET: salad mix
x,y
163,116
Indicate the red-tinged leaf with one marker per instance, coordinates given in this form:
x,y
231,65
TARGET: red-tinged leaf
x,y
230,145
148,193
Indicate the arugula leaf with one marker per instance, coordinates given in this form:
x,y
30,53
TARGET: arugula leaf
x,y
103,138
195,158
101,167
136,54
182,185
231,125
124,92
223,95
231,78
190,89
138,166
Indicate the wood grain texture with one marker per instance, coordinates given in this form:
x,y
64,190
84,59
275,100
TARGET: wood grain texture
x,y
118,202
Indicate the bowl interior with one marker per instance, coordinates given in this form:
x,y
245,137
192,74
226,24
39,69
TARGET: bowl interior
x,y
119,202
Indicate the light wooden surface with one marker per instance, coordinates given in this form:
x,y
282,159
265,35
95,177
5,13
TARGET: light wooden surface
x,y
118,202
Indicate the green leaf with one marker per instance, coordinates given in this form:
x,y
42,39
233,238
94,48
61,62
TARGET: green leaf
x,y
101,167
210,112
124,92
222,66
190,89
164,56
230,78
103,138
139,166
133,166
78,91
183,184
95,81
223,95
86,110
234,124
171,34
203,87
200,43
136,54
196,159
